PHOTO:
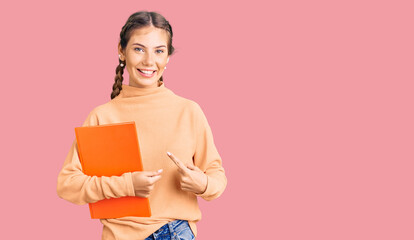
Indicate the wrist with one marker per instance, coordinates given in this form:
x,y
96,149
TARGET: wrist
x,y
133,180
204,189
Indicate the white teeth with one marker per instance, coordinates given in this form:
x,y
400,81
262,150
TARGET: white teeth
x,y
147,72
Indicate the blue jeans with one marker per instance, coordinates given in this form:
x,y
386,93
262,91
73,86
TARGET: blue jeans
x,y
175,230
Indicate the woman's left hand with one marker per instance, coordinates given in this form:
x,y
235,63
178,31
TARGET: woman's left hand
x,y
192,179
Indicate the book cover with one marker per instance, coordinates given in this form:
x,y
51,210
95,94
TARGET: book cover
x,y
111,150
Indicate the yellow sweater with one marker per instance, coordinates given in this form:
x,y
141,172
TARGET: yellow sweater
x,y
165,122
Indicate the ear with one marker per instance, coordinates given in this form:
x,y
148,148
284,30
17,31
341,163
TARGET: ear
x,y
120,52
168,59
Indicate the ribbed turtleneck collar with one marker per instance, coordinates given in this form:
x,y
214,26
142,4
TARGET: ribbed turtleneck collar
x,y
130,91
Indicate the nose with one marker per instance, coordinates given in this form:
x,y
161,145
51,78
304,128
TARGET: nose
x,y
148,59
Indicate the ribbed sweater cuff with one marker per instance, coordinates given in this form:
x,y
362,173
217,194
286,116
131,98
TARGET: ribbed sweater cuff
x,y
129,183
208,190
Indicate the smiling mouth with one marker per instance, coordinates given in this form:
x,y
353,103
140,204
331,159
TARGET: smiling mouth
x,y
147,72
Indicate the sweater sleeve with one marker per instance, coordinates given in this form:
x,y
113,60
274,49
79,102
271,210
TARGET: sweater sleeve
x,y
76,187
207,158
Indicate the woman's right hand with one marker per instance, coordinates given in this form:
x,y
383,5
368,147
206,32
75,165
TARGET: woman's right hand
x,y
144,182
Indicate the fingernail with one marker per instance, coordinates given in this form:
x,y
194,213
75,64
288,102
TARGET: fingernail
x,y
169,154
160,171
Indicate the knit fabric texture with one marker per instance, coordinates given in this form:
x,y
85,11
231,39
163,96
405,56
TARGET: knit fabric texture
x,y
165,122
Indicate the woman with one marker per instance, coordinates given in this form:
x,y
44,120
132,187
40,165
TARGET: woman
x,y
178,153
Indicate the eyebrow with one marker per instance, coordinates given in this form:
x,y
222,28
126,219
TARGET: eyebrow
x,y
139,44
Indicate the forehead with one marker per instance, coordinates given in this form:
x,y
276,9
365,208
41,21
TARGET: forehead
x,y
149,36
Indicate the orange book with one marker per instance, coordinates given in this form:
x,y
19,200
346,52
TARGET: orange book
x,y
111,150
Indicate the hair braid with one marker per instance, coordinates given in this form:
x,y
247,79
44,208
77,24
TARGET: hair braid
x,y
117,87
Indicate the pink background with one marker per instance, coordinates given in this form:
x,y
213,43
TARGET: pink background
x,y
310,103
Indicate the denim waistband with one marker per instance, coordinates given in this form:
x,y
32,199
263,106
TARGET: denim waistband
x,y
172,228
172,225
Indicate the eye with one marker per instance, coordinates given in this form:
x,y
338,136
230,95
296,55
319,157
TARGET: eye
x,y
139,49
159,51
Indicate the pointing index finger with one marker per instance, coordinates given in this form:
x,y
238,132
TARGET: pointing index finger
x,y
177,162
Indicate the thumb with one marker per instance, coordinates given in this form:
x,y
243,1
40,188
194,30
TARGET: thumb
x,y
153,174
190,166
193,167
154,179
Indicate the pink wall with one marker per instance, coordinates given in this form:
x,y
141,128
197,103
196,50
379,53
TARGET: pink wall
x,y
310,103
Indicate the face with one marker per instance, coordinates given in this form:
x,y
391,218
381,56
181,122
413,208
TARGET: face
x,y
146,55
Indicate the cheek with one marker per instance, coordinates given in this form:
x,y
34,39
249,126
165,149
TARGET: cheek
x,y
134,59
162,62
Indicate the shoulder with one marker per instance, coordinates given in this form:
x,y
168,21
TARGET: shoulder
x,y
97,112
100,109
190,104
191,108
103,108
